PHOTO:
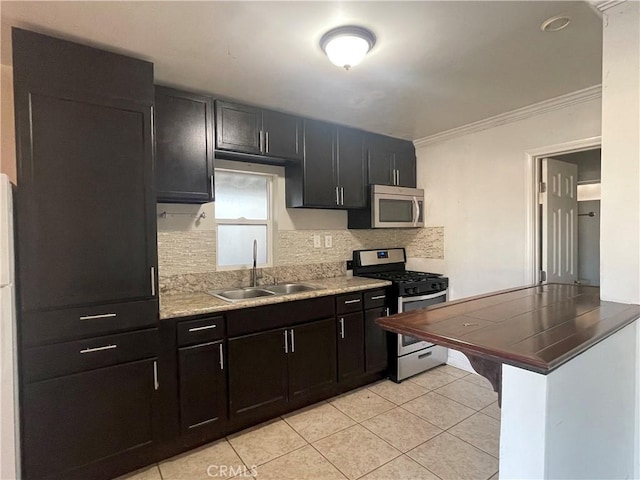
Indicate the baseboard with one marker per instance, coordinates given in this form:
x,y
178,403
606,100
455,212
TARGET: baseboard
x,y
459,360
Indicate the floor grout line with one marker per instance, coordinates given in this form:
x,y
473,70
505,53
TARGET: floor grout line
x,y
328,460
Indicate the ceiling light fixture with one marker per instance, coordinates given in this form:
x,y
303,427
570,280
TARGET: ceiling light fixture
x,y
347,46
555,24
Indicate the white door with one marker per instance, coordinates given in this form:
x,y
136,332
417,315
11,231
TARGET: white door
x,y
559,205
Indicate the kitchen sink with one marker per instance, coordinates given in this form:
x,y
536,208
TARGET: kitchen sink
x,y
248,293
287,288
239,294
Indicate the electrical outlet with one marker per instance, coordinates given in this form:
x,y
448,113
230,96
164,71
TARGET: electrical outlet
x,y
316,241
328,241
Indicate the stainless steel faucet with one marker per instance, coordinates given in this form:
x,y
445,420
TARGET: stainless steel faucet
x,y
254,273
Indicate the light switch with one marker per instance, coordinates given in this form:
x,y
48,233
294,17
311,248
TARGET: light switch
x,y
328,241
316,241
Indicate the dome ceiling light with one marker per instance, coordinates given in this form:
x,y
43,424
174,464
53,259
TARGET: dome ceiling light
x,y
347,46
555,24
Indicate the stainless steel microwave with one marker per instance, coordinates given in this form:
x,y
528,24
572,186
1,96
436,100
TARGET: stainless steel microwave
x,y
390,207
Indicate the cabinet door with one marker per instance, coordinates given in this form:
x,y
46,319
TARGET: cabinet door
x,y
257,374
184,147
86,229
405,165
350,345
351,178
202,388
282,135
379,160
312,359
238,127
376,356
320,188
76,420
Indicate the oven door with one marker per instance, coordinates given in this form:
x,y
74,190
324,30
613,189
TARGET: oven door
x,y
406,343
397,211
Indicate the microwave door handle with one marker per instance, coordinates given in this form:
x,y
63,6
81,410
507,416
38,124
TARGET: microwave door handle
x,y
416,211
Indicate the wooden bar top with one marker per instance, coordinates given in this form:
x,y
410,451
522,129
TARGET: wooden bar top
x,y
537,328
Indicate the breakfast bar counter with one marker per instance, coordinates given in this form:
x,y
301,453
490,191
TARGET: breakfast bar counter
x,y
564,363
537,328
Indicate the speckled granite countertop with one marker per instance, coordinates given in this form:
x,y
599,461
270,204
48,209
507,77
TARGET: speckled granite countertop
x,y
189,304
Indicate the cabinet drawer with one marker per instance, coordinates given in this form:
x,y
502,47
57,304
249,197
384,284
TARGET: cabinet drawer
x,y
375,298
200,331
287,314
72,357
349,302
85,322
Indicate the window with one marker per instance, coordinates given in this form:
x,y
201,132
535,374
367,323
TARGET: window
x,y
243,214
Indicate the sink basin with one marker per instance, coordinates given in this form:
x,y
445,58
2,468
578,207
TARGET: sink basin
x,y
241,294
287,288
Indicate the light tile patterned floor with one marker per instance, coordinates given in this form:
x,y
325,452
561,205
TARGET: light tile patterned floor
x,y
441,424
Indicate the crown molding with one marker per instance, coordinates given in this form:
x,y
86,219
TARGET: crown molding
x,y
573,98
604,5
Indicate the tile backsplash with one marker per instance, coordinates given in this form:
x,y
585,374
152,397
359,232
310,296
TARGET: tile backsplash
x,y
187,259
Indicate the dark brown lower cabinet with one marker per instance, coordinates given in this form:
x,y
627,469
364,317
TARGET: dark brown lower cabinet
x,y
376,353
312,359
350,345
74,421
269,370
257,374
202,389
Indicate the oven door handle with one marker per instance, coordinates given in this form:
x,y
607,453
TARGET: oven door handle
x,y
403,300
416,211
443,293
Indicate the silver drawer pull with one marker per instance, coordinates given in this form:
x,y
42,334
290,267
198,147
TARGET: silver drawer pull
x,y
378,297
357,300
206,327
156,384
93,317
99,349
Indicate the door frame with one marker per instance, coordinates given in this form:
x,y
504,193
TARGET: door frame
x,y
532,179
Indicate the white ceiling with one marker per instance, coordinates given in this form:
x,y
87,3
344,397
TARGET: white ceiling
x,y
436,65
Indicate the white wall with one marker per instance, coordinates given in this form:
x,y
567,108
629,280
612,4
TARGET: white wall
x,y
620,240
475,186
574,422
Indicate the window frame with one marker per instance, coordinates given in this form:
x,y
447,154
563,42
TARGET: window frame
x,y
271,178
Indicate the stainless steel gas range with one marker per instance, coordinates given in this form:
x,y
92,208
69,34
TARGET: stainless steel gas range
x,y
408,356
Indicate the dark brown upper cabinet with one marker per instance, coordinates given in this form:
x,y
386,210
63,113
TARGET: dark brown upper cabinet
x,y
332,173
86,231
184,147
390,161
243,129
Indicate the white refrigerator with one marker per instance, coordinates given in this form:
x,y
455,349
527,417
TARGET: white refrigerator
x,y
9,424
